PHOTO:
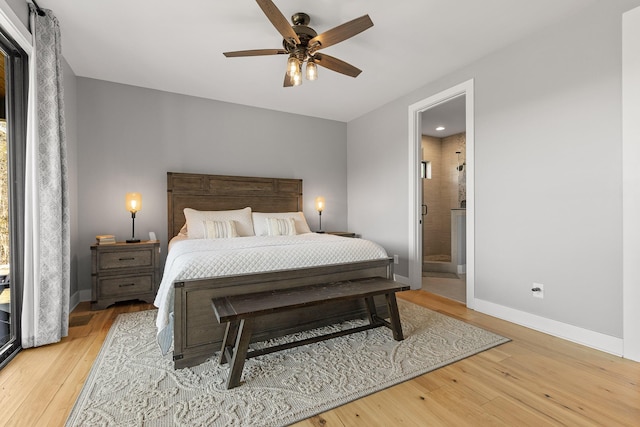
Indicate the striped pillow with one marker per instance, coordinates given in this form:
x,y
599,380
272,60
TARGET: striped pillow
x,y
220,229
281,227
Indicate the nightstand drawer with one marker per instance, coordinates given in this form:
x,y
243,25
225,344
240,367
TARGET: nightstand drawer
x,y
125,259
129,285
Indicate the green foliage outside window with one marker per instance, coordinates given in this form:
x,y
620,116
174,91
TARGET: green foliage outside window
x,y
4,197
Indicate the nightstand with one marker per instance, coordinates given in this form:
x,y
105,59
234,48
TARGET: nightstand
x,y
124,271
342,233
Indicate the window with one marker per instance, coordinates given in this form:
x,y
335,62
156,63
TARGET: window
x,y
13,96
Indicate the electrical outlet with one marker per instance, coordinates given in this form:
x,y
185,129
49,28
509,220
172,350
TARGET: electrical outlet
x,y
537,290
396,259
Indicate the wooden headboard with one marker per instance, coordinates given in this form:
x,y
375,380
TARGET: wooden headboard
x,y
222,192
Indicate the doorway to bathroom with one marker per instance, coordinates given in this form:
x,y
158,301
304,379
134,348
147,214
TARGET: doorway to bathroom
x,y
416,259
443,178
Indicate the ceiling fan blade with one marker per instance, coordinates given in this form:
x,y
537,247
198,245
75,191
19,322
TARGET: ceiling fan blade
x,y
287,81
255,52
278,20
342,32
336,65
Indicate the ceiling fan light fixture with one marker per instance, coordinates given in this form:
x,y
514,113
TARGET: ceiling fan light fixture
x,y
296,78
293,65
311,70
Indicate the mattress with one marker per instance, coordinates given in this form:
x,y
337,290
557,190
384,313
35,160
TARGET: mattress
x,y
204,258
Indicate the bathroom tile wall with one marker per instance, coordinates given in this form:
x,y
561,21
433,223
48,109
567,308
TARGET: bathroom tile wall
x,y
443,191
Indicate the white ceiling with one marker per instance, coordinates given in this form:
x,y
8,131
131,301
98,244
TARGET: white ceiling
x,y
177,46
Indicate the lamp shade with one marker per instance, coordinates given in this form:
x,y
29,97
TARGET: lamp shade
x,y
292,65
133,202
320,204
312,70
296,78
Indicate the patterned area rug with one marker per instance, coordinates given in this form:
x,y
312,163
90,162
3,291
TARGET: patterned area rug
x,y
131,384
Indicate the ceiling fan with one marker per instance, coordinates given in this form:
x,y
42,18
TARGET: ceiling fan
x,y
302,44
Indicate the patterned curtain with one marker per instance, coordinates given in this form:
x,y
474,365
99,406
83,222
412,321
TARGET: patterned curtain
x,y
45,306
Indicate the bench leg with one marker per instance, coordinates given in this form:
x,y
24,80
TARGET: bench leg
x,y
239,353
371,310
228,341
394,315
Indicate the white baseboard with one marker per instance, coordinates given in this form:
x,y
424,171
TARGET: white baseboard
x,y
565,331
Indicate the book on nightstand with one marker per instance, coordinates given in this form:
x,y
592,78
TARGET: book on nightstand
x,y
106,239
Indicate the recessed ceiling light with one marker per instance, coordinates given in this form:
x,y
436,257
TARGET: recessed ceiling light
x,y
439,128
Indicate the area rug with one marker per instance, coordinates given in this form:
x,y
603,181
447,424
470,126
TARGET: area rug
x,y
131,384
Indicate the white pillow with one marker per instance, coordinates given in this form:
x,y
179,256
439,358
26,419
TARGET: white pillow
x,y
260,222
281,226
220,229
196,221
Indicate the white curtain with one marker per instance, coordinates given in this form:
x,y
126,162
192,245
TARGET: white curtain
x,y
45,305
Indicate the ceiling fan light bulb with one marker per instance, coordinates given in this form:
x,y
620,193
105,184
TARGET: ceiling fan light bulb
x,y
296,78
292,66
312,71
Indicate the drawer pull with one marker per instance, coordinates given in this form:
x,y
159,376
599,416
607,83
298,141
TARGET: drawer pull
x,y
124,285
131,258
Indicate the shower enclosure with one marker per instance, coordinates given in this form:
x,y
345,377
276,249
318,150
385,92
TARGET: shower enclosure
x,y
444,195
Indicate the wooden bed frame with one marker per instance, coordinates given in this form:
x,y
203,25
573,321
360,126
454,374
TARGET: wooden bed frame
x,y
197,334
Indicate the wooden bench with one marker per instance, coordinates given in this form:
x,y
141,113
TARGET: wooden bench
x,y
240,311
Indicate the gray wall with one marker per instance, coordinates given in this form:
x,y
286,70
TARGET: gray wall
x,y
549,201
21,9
130,137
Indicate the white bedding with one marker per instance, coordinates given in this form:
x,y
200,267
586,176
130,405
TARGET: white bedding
x,y
202,258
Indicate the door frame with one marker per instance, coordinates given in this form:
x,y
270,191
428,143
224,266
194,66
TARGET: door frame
x,y
15,37
415,185
630,185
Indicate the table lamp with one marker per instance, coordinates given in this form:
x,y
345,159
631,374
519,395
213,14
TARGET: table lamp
x,y
133,205
320,207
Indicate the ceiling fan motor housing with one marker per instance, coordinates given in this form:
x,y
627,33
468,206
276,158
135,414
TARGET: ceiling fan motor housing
x,y
305,33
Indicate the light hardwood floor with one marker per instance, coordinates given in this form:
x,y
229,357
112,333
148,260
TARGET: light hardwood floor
x,y
535,379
